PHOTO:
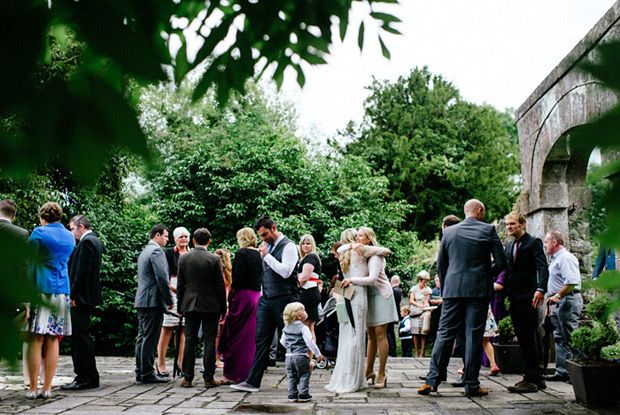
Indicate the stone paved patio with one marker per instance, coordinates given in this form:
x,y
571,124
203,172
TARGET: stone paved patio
x,y
119,393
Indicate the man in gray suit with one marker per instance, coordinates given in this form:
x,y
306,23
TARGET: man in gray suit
x,y
152,298
464,270
201,296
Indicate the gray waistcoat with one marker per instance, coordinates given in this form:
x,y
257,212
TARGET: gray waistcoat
x,y
293,339
273,284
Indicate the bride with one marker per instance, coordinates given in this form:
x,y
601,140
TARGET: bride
x,y
349,373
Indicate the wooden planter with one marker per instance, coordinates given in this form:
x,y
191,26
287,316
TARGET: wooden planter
x,y
596,383
509,358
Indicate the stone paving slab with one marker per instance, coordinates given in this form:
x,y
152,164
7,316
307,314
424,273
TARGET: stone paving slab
x,y
119,393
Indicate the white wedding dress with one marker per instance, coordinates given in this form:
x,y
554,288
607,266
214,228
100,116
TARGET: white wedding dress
x,y
349,373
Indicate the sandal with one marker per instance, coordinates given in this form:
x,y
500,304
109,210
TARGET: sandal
x,y
225,381
494,371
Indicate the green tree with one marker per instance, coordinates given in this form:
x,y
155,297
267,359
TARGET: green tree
x,y
436,149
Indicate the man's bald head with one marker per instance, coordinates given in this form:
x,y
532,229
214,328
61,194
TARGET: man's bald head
x,y
474,209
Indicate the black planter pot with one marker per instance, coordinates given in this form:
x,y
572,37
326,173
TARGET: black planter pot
x,y
595,384
509,358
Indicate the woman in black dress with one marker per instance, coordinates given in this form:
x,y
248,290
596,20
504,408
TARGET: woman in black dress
x,y
309,276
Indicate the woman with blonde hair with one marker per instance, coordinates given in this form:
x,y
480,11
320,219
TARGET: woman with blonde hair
x,y
224,255
309,276
381,310
237,343
349,374
171,323
51,319
419,298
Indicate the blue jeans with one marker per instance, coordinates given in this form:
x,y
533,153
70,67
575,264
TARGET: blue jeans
x,y
298,374
565,318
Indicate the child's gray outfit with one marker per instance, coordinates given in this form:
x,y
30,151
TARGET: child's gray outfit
x,y
297,339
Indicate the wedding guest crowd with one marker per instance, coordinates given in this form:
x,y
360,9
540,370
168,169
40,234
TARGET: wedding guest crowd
x,y
239,303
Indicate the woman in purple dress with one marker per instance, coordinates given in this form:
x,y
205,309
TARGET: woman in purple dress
x,y
237,343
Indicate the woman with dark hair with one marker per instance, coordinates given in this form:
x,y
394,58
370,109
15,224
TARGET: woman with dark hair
x,y
52,319
237,343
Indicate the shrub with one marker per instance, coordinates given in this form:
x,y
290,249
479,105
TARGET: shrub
x,y
506,330
590,341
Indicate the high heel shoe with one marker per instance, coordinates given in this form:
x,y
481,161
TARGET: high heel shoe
x,y
45,395
162,374
31,395
371,377
381,385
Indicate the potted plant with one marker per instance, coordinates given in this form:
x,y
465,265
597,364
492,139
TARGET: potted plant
x,y
595,379
508,355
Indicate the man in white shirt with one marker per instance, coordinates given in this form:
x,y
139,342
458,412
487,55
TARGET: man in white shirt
x,y
565,300
280,287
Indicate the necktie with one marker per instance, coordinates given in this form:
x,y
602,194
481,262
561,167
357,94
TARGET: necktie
x,y
270,248
514,254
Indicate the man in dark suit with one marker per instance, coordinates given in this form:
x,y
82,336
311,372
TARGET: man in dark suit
x,y
84,274
528,276
398,294
464,269
201,297
13,239
152,298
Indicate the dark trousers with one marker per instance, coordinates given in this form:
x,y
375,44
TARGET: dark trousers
x,y
406,347
456,313
298,375
268,318
525,321
391,339
209,322
150,321
83,347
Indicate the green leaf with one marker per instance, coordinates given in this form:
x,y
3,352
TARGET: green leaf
x,y
384,49
344,23
390,29
385,17
360,36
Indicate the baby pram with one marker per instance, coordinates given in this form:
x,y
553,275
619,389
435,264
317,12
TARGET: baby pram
x,y
328,339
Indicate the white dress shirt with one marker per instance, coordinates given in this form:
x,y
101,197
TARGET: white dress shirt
x,y
289,259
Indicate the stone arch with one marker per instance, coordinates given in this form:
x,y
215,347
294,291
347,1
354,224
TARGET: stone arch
x,y
553,168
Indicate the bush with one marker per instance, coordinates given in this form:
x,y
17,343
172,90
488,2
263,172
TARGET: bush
x,y
590,341
506,330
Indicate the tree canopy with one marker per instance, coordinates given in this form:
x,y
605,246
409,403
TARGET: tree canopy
x,y
436,149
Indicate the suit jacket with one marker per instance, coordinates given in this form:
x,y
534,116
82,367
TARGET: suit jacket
x,y
529,271
84,271
13,243
200,283
153,285
464,262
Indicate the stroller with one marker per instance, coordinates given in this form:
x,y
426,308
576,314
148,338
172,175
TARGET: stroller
x,y
327,329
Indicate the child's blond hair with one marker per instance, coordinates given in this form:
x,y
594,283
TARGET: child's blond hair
x,y
405,309
291,311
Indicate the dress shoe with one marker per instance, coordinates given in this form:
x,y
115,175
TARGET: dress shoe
x,y
523,387
163,374
427,389
31,395
371,377
153,378
77,385
211,383
458,384
541,384
244,386
185,384
477,392
557,378
381,385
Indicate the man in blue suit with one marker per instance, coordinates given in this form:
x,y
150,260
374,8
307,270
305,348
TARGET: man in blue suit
x,y
464,269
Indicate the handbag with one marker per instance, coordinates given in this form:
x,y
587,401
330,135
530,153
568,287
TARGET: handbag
x,y
341,312
426,322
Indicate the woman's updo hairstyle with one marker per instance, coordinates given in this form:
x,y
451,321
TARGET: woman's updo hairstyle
x,y
50,212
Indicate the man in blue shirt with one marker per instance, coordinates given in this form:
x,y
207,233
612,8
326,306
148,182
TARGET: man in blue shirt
x,y
565,300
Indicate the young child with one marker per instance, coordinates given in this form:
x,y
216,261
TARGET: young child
x,y
404,331
297,339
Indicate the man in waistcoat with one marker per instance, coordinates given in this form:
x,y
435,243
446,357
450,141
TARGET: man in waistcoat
x,y
279,286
